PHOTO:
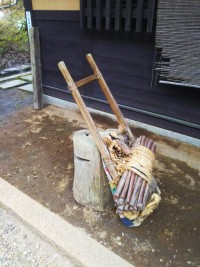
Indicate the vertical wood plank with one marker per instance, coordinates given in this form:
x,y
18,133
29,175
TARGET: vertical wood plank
x,y
28,5
98,14
139,15
128,15
36,67
108,15
117,15
151,12
89,14
82,13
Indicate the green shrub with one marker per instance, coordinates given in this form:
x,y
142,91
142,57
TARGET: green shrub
x,y
12,38
13,33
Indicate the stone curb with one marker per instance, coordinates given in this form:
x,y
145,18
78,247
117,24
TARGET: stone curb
x,y
75,243
27,87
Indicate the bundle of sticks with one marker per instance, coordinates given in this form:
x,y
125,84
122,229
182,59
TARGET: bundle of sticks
x,y
132,191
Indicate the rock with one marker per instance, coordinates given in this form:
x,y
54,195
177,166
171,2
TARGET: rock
x,y
15,70
9,71
24,68
24,236
37,246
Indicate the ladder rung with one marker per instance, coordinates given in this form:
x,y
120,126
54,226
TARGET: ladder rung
x,y
86,80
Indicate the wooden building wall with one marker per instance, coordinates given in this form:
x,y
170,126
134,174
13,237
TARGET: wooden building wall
x,y
56,5
126,61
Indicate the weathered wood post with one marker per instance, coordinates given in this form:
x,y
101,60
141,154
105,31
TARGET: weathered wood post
x,y
90,186
36,67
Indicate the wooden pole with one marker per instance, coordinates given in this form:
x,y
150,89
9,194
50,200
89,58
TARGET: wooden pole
x,y
109,96
88,119
36,67
86,80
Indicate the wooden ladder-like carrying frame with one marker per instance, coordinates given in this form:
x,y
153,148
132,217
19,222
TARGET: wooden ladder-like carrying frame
x,y
73,88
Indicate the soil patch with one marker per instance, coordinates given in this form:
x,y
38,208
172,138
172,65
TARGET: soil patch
x,y
36,155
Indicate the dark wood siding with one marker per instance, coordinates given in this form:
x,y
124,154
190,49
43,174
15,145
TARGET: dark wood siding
x,y
127,15
126,61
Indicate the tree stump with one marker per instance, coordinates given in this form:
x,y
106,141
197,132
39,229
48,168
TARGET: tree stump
x,y
90,187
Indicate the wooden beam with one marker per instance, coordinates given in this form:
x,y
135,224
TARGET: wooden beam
x,y
77,97
118,15
151,13
128,15
86,80
89,14
108,15
98,14
139,16
111,100
82,13
88,119
56,5
36,67
28,5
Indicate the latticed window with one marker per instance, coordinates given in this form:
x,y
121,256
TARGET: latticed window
x,y
127,15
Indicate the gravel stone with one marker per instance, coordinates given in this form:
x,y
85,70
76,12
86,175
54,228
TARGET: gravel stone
x,y
20,247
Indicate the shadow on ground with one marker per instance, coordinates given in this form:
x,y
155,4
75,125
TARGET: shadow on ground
x,y
36,156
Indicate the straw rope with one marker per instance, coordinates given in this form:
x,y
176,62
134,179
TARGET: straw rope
x,y
139,161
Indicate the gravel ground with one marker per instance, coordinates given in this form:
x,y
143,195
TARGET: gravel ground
x,y
20,247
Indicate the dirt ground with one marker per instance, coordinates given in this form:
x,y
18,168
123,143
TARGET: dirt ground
x,y
36,156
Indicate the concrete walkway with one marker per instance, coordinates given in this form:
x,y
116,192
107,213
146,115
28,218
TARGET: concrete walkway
x,y
17,80
81,248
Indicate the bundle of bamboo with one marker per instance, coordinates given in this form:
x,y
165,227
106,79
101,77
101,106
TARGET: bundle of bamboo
x,y
133,188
